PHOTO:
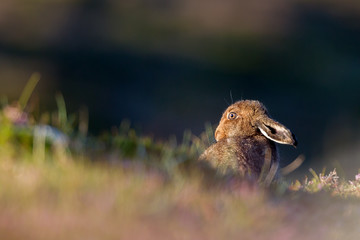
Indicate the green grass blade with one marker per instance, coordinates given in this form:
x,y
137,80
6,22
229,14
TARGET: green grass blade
x,y
29,89
314,174
62,113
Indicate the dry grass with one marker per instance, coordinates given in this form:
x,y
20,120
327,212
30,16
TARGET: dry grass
x,y
124,186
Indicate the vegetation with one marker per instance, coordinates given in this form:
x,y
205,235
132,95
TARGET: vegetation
x,y
57,182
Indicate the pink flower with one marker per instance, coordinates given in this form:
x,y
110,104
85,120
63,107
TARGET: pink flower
x,y
15,115
357,177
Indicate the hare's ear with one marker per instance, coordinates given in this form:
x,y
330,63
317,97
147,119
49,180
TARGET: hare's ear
x,y
276,131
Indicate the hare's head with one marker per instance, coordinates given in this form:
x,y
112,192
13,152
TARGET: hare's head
x,y
249,118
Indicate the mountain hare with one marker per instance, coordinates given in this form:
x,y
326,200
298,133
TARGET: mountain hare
x,y
246,138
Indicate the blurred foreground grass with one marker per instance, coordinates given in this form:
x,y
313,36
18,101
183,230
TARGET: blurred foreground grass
x,y
57,182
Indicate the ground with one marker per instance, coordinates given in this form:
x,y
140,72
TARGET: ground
x,y
57,182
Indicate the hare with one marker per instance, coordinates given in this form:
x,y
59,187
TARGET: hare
x,y
246,137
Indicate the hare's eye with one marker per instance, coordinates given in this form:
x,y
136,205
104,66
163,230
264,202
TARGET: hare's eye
x,y
232,115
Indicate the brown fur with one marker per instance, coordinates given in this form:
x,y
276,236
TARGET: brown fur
x,y
245,139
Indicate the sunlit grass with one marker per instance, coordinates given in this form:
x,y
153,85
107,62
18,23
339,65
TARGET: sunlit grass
x,y
57,182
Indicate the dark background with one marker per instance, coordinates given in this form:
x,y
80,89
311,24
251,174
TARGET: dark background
x,y
170,65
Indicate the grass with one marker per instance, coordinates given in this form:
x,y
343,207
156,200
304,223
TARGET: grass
x,y
57,182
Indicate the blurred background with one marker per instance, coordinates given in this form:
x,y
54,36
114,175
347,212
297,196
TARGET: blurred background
x,y
172,65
